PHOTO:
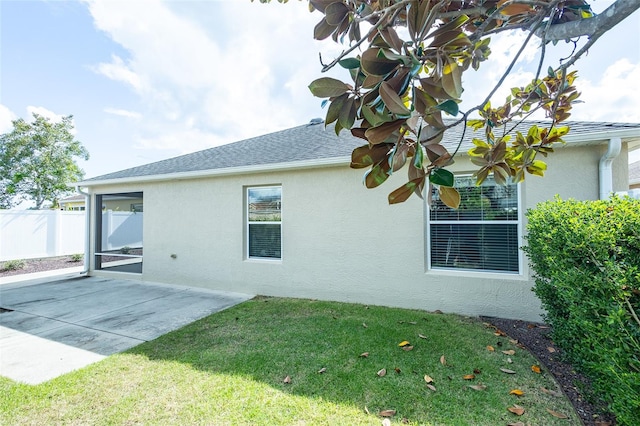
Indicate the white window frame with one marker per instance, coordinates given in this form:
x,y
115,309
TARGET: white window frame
x,y
485,272
249,222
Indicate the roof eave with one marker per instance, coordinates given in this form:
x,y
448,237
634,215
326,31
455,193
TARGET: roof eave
x,y
227,171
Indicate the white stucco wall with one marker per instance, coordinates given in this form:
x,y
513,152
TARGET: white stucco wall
x,y
340,241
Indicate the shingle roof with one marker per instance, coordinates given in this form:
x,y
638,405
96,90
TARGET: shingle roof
x,y
307,142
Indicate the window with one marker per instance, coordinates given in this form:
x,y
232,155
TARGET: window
x,y
483,234
264,222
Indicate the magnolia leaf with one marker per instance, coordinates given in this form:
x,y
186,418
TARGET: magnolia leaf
x,y
387,413
452,79
422,336
516,392
377,64
551,349
327,87
382,373
516,424
404,343
449,106
392,100
536,369
443,360
442,177
428,378
379,134
401,194
364,355
377,175
287,380
506,370
551,392
514,9
478,387
322,370
335,13
366,155
509,352
323,30
449,196
490,348
349,63
347,113
364,324
469,377
407,348
516,409
333,113
397,370
557,414
509,360
430,386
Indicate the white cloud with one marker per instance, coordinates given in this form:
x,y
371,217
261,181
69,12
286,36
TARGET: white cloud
x,y
615,97
52,116
123,113
117,70
6,118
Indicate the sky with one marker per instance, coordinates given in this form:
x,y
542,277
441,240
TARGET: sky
x,y
147,80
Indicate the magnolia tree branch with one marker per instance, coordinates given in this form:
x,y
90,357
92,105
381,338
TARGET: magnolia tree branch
x,y
594,26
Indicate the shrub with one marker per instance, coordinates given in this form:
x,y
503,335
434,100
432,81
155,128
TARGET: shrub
x,y
125,250
14,265
77,257
586,258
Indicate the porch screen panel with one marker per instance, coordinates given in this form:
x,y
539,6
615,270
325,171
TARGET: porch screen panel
x,y
264,222
482,234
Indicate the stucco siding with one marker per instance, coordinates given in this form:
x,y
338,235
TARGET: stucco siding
x,y
340,241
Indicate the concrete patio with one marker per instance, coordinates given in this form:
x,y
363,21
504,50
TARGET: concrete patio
x,y
53,325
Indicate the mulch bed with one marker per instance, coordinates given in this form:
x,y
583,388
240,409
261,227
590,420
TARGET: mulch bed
x,y
534,337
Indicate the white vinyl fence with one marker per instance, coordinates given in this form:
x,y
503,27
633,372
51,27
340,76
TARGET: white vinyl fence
x,y
121,229
29,234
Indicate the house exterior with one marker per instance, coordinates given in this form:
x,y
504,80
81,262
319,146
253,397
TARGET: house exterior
x,y
284,215
634,175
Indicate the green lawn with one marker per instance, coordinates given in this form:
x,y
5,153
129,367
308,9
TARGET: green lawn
x,y
230,368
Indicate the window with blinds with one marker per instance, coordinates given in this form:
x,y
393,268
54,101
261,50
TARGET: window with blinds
x,y
483,234
264,222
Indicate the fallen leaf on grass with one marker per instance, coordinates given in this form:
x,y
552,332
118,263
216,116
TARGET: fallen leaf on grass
x,y
428,378
476,371
506,370
500,332
509,352
516,424
509,360
422,336
404,343
558,415
364,355
407,348
478,387
514,341
491,348
433,388
516,392
550,349
382,372
386,422
287,380
413,322
516,409
397,370
551,392
364,325
469,377
443,360
536,369
387,413
322,370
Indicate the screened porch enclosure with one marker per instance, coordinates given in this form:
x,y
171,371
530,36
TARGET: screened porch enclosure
x,y
119,225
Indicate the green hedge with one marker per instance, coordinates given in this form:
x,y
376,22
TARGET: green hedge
x,y
586,258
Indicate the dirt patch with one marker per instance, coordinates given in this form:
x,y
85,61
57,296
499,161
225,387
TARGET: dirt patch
x,y
41,265
536,339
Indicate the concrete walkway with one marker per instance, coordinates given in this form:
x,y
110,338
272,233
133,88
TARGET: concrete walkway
x,y
53,325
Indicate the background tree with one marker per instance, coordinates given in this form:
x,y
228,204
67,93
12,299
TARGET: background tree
x,y
37,161
406,60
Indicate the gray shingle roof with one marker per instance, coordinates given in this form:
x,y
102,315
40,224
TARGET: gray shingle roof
x,y
306,142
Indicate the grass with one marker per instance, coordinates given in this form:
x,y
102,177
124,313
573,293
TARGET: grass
x,y
230,368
